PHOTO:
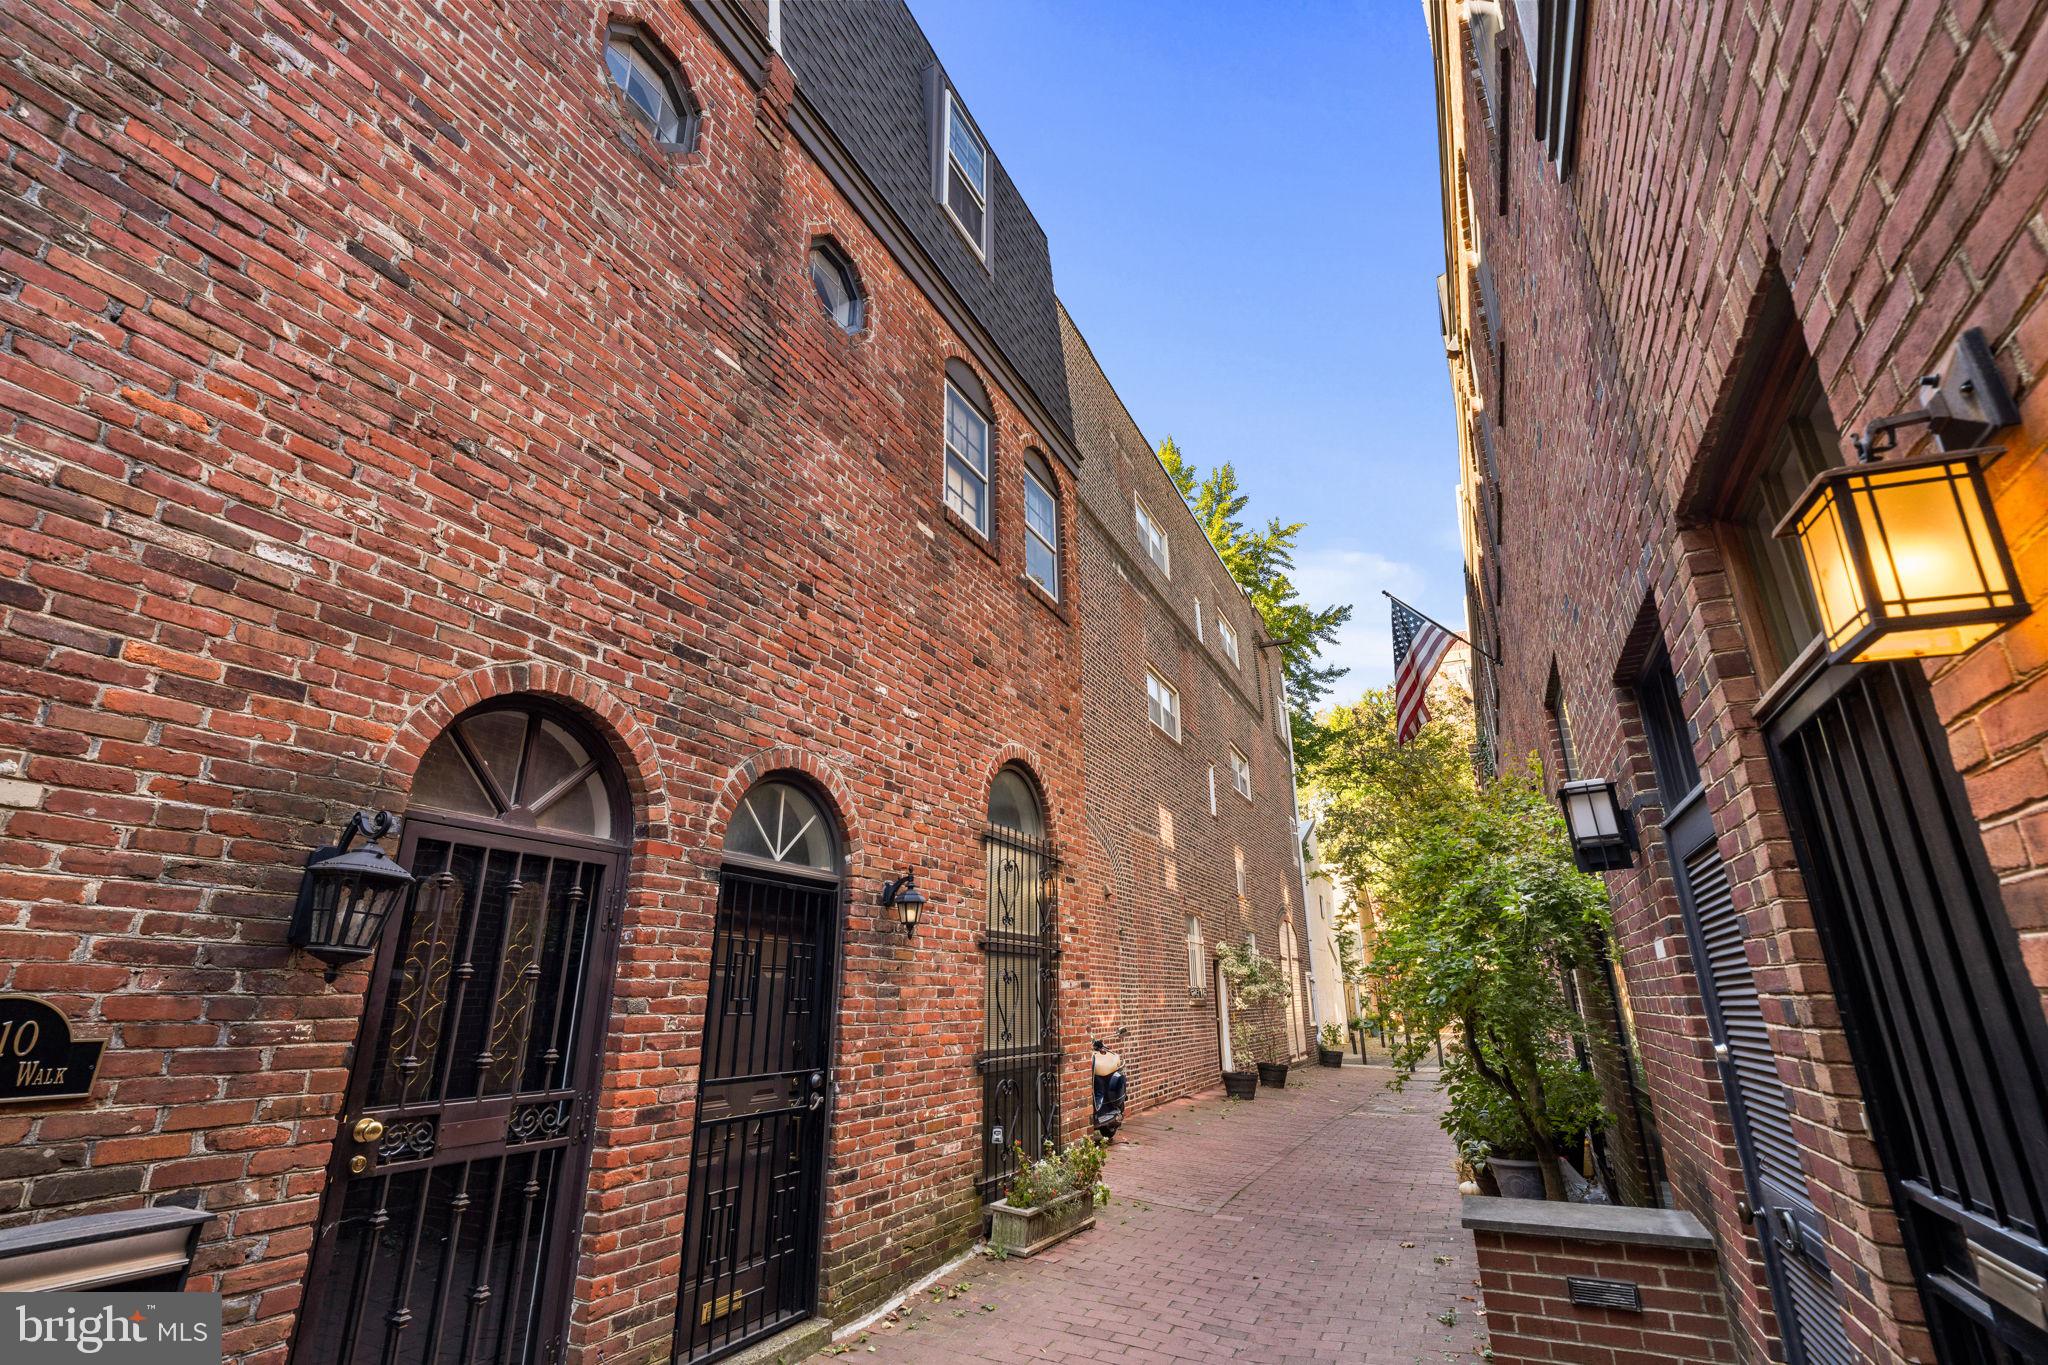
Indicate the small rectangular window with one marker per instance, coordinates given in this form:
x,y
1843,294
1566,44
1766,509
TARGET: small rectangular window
x,y
1226,636
1041,534
1212,789
1198,957
1250,941
966,460
966,175
1162,704
1665,727
1561,725
1153,537
1198,620
1240,773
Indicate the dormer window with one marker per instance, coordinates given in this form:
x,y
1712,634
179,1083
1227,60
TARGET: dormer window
x,y
652,86
966,175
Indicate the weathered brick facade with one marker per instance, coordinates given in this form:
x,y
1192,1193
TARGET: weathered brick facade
x,y
361,368
1166,851
1865,180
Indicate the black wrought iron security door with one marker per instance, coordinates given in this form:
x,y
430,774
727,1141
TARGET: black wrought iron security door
x,y
1946,1029
756,1191
1020,1046
447,1234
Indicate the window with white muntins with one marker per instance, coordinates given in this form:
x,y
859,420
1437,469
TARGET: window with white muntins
x,y
1226,636
1240,773
1153,537
1198,957
1041,526
966,460
1162,704
966,176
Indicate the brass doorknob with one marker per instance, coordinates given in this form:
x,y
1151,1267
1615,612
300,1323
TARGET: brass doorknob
x,y
367,1130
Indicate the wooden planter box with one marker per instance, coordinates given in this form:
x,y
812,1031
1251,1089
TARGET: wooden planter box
x,y
1329,1056
1026,1232
1273,1074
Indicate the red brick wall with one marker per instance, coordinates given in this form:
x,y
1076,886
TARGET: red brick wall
x,y
1886,161
362,366
1164,856
1530,1316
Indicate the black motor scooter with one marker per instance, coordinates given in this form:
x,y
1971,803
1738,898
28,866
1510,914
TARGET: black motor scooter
x,y
1110,1085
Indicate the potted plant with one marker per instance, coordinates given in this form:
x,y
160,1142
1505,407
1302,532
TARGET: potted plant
x,y
1242,1083
1255,983
1050,1199
1330,1045
1491,1136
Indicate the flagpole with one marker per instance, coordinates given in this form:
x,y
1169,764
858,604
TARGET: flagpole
x,y
1442,627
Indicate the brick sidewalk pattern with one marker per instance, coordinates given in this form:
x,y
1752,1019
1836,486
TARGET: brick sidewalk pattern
x,y
1316,1223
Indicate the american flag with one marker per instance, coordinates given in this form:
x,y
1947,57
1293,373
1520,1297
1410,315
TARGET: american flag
x,y
1419,646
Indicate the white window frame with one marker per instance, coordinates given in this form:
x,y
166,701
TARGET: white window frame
x,y
1199,637
1240,772
1238,854
1162,704
1031,533
983,519
980,192
1152,536
1212,789
1226,638
1198,958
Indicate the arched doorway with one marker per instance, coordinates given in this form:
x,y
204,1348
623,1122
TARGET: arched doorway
x,y
756,1194
1020,1092
1290,965
448,1229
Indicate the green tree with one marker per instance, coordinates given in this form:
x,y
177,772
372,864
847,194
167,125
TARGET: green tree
x,y
1482,912
1262,562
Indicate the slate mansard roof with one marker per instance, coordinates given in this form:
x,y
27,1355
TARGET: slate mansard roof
x,y
864,68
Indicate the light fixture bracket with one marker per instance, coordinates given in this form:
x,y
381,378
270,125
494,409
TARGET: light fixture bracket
x,y
1963,404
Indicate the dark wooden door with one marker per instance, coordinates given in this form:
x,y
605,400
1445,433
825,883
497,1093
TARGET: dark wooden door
x,y
447,1234
1946,1030
757,1157
1787,1225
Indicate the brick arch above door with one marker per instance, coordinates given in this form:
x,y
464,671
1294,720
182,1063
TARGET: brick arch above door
x,y
609,717
821,774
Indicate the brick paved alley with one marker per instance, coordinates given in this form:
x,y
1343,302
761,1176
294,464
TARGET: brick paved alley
x,y
1317,1223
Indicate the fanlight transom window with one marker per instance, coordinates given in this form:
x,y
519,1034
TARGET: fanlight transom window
x,y
1013,805
779,822
520,765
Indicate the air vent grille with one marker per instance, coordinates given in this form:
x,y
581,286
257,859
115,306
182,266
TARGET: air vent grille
x,y
1591,1293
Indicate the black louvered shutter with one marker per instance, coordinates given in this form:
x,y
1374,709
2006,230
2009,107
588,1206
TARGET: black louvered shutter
x,y
1787,1224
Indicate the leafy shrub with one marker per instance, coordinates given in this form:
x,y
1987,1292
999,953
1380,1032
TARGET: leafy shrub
x,y
1331,1036
1483,1120
1058,1173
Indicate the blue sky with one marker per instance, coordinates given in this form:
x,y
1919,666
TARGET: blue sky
x,y
1242,204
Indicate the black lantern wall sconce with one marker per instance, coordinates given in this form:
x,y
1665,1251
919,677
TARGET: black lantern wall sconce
x,y
903,896
1603,831
348,893
1906,557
